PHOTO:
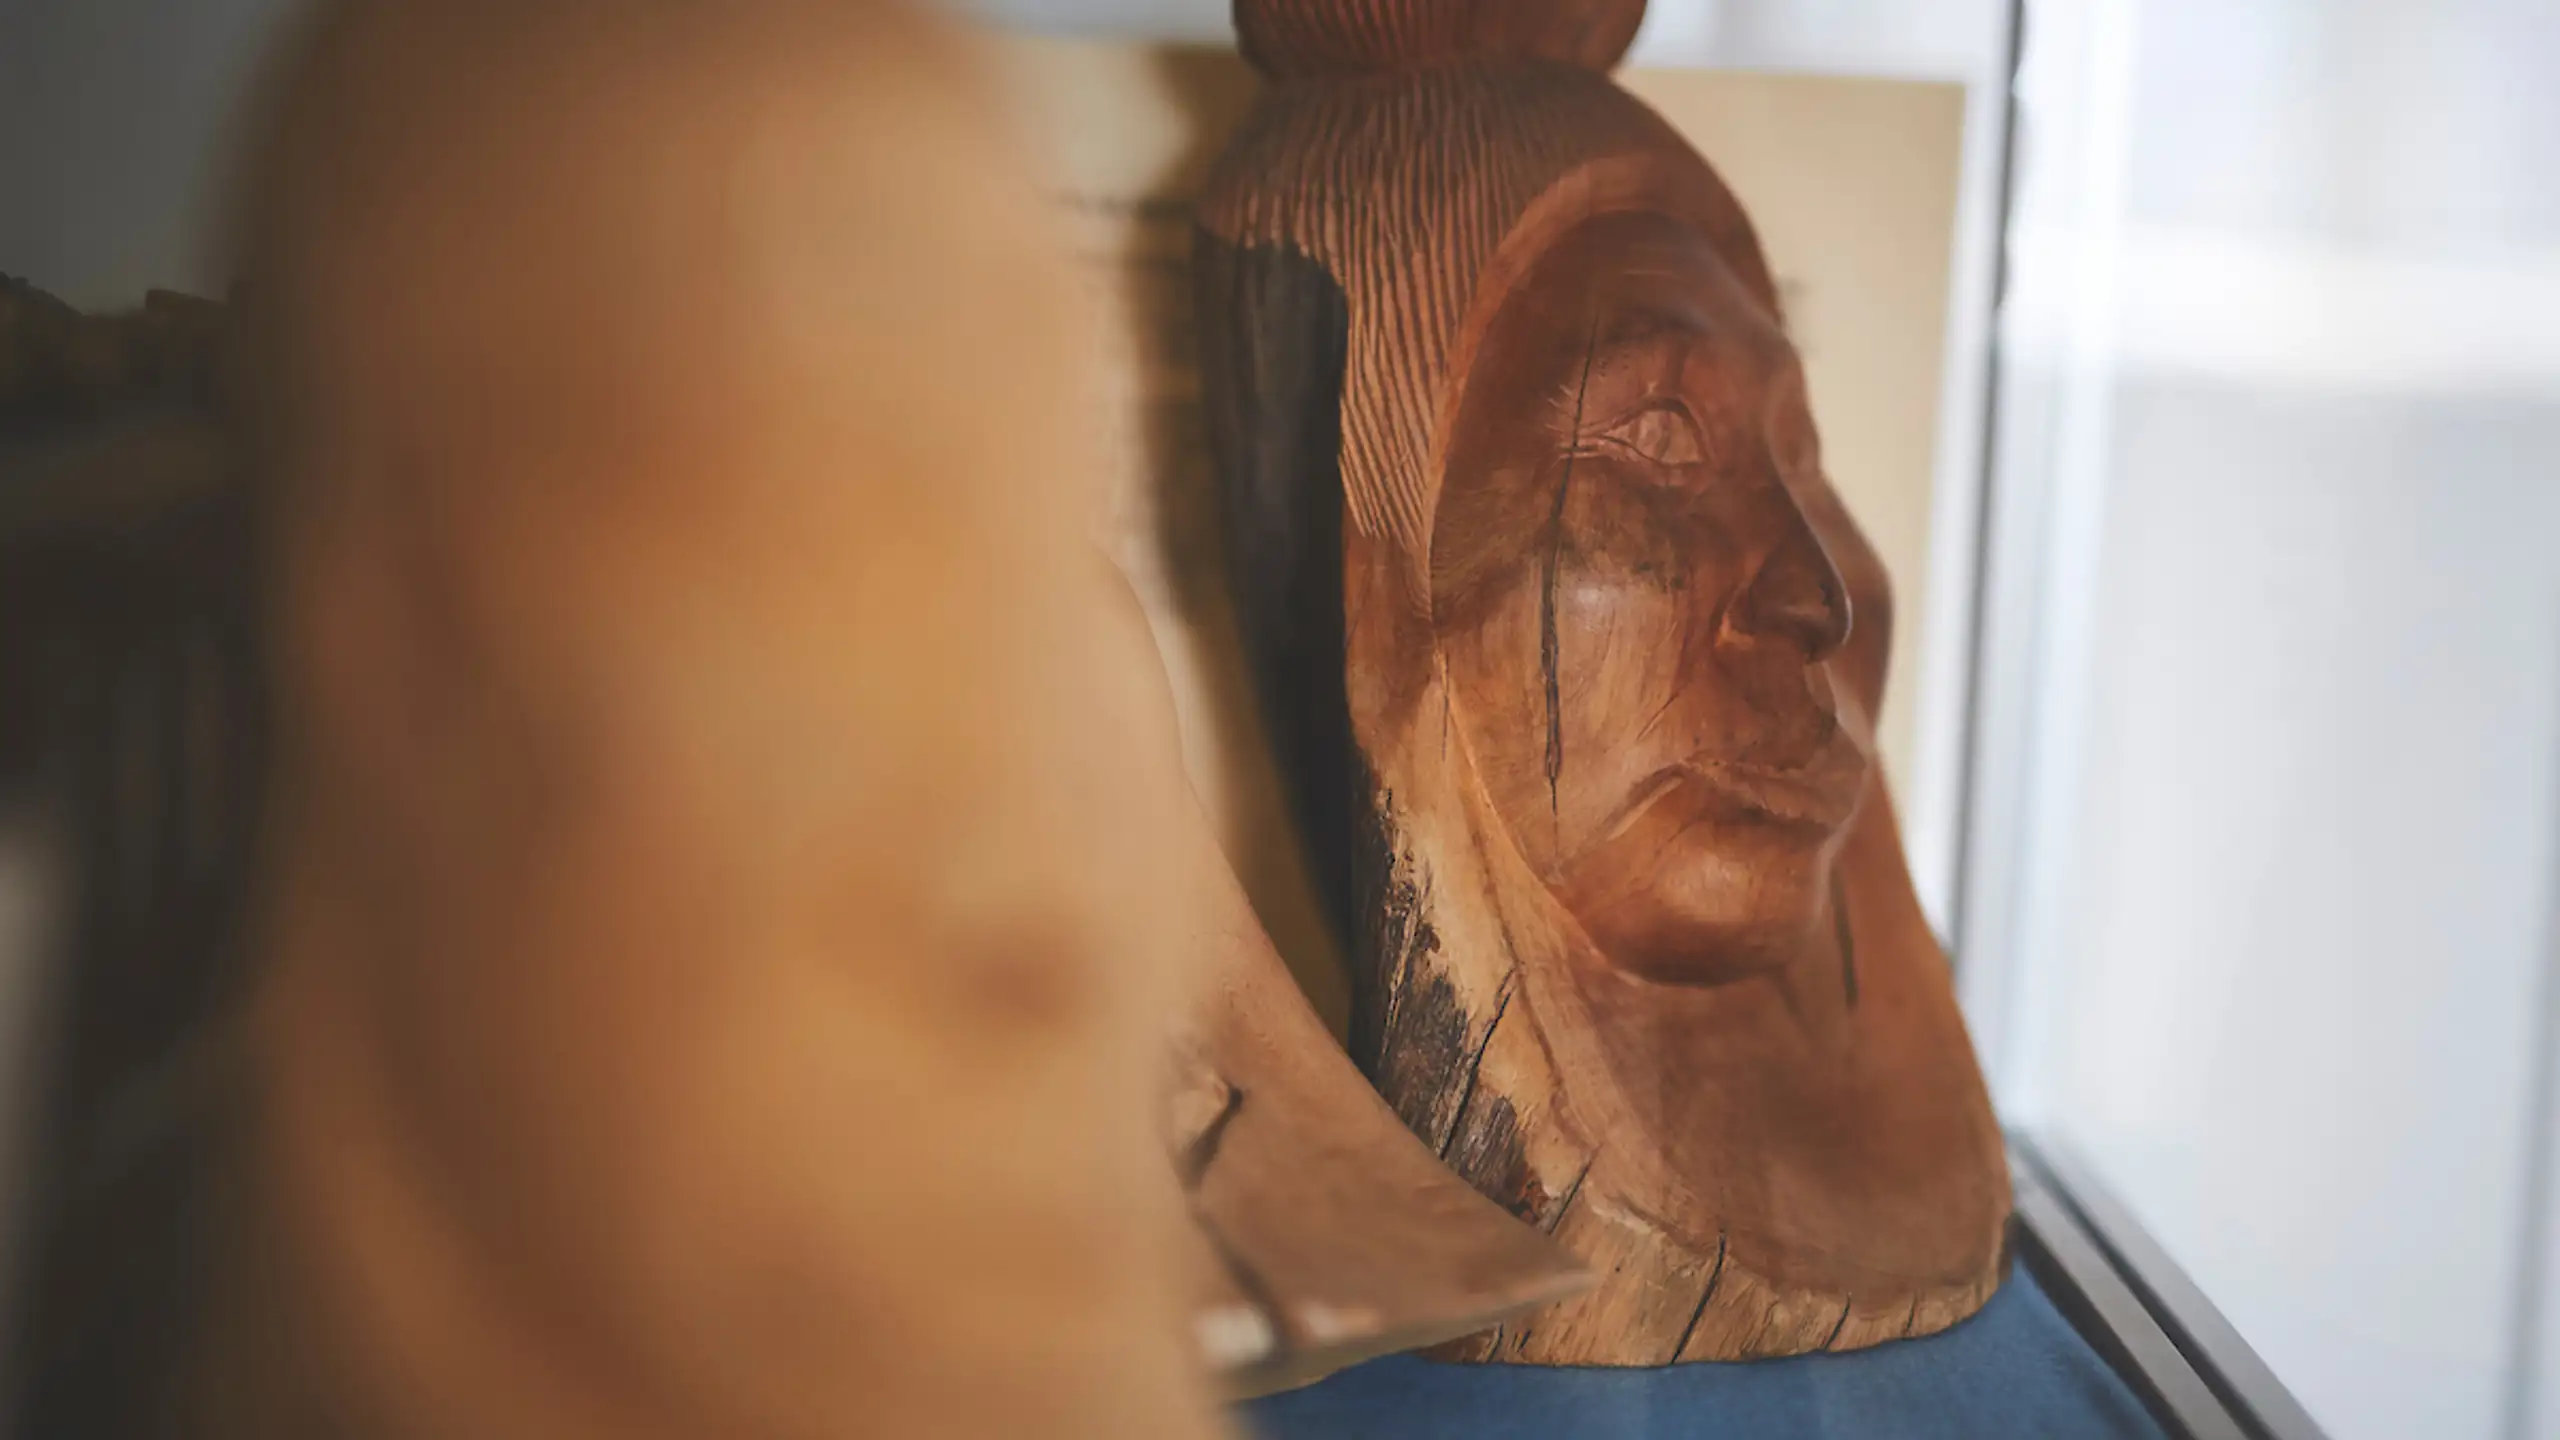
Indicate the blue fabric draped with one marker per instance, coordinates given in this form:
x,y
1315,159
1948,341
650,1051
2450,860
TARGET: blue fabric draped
x,y
2015,1369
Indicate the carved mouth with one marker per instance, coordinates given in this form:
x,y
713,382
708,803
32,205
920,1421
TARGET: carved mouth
x,y
1818,796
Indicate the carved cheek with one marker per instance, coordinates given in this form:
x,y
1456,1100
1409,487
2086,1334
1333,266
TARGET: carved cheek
x,y
1496,675
1638,601
1619,639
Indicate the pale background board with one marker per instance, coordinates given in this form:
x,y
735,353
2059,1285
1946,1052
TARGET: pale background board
x,y
1851,182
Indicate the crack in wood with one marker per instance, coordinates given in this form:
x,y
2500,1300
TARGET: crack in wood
x,y
1203,1149
1475,1067
1547,641
1572,1192
1714,1278
1839,1325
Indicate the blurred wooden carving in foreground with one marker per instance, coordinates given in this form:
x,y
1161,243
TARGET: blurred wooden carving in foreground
x,y
714,966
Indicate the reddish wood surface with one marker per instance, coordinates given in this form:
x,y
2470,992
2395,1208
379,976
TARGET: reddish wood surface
x,y
1572,654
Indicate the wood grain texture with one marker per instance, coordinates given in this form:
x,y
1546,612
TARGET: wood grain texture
x,y
1593,793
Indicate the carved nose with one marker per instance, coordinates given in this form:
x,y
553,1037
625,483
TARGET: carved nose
x,y
1796,598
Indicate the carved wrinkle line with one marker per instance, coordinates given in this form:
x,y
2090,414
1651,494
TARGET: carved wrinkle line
x,y
1680,666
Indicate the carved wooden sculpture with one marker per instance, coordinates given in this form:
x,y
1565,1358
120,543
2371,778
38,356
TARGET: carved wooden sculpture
x,y
716,952
1571,654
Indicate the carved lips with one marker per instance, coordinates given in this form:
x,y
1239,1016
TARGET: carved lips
x,y
1820,797
1716,867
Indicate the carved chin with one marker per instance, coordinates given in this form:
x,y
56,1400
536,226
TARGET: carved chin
x,y
1713,905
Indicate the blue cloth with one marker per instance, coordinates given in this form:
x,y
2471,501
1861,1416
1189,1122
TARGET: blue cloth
x,y
2015,1369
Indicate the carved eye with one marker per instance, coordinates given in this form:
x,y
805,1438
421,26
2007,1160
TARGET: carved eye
x,y
1662,434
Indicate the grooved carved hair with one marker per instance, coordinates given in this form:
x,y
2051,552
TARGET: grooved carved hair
x,y
1314,37
1350,171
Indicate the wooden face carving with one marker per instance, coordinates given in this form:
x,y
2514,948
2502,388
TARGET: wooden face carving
x,y
1636,612
1551,607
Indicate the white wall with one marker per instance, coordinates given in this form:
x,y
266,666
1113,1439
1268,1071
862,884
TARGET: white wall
x,y
2269,827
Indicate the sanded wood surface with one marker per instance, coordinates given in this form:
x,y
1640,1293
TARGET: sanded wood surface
x,y
718,944
1571,655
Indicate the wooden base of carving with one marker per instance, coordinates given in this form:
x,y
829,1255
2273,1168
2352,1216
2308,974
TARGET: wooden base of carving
x,y
1864,1197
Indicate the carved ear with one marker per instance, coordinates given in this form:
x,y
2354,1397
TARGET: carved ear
x,y
1287,38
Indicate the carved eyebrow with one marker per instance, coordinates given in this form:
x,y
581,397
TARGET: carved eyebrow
x,y
1651,323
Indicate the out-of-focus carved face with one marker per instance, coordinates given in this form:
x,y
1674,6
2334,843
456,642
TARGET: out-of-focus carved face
x,y
1634,611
